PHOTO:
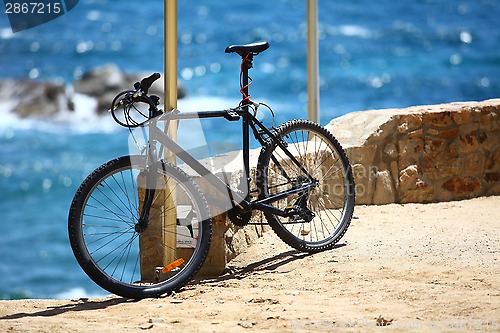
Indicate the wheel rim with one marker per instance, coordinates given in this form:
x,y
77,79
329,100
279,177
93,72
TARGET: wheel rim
x,y
326,201
117,251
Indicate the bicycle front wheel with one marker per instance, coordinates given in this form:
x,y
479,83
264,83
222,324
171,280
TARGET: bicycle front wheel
x,y
321,215
124,256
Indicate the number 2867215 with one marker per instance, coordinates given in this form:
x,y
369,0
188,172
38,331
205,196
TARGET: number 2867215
x,y
33,8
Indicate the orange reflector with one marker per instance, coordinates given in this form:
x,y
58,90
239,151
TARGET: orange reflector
x,y
172,265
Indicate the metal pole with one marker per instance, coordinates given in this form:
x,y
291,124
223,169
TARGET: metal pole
x,y
170,83
312,61
170,75
158,243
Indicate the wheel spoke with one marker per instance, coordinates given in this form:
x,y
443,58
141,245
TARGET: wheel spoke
x,y
322,158
108,242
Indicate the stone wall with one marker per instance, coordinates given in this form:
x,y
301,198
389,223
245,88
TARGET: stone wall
x,y
418,154
424,153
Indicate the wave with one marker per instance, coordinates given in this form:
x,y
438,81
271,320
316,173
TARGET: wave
x,y
73,293
78,292
354,31
82,119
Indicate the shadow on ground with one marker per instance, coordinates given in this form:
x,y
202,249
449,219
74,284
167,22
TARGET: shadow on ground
x,y
268,264
79,305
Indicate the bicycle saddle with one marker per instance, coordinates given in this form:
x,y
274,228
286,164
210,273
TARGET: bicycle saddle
x,y
254,48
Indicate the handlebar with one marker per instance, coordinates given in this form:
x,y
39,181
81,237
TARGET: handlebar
x,y
146,83
126,100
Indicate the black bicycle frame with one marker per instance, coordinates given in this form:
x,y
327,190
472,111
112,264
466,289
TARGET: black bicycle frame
x,y
215,181
248,121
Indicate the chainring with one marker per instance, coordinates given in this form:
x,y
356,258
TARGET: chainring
x,y
239,217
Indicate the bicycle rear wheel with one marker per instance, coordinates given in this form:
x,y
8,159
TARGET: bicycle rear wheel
x,y
122,256
323,213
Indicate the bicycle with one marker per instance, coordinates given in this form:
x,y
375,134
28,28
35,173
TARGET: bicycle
x,y
304,187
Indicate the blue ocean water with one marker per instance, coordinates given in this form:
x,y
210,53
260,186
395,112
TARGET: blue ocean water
x,y
373,54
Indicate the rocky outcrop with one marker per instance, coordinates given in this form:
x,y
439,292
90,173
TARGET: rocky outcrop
x,y
30,98
105,82
35,99
423,153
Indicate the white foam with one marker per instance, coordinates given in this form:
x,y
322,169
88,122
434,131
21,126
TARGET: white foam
x,y
6,33
355,31
78,292
83,119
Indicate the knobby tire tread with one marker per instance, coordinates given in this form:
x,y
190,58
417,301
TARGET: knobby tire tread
x,y
86,262
263,163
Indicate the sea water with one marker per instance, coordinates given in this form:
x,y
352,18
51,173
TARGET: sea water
x,y
373,54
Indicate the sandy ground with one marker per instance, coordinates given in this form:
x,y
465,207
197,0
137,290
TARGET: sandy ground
x,y
414,267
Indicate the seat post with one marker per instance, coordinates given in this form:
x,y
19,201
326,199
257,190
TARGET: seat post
x,y
246,65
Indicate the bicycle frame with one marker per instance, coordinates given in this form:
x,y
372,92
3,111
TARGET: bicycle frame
x,y
249,121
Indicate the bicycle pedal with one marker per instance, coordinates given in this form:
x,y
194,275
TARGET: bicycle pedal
x,y
231,115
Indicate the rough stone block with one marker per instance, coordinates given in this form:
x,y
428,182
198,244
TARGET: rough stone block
x,y
409,122
363,179
492,177
438,119
409,151
390,152
469,142
462,185
493,161
464,116
469,164
215,264
384,189
448,134
418,133
422,193
490,121
364,155
408,178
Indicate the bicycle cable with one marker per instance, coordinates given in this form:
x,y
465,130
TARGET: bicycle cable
x,y
246,97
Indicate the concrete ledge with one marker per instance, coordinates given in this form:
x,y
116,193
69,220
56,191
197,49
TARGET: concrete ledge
x,y
423,153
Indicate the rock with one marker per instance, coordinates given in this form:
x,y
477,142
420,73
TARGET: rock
x,y
384,189
408,178
156,320
246,324
391,151
381,321
409,150
462,185
100,80
462,117
107,81
438,119
363,179
36,98
32,98
409,122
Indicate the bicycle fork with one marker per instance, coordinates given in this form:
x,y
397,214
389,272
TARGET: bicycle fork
x,y
151,175
149,194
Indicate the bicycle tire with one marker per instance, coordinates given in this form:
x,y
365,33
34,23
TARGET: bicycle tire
x,y
102,226
331,202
